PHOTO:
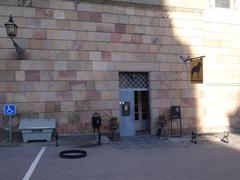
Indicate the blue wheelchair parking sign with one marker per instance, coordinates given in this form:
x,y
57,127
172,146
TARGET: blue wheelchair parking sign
x,y
9,109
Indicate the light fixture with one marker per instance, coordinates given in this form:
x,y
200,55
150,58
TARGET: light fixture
x,y
11,28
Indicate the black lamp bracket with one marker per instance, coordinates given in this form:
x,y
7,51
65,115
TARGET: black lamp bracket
x,y
190,59
20,51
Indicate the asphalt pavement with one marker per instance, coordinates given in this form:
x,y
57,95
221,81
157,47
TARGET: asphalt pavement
x,y
139,158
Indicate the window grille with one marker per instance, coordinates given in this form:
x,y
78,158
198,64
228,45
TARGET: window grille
x,y
133,80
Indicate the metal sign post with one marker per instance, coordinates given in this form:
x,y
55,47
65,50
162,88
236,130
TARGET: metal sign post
x,y
10,110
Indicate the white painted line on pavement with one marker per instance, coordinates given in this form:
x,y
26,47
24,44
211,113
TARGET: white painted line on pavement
x,y
34,164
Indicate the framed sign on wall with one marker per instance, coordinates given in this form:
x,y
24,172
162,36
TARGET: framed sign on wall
x,y
196,71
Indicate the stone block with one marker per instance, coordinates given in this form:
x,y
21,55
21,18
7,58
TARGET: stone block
x,y
20,76
89,16
26,33
5,86
147,21
165,67
31,107
79,95
87,26
60,55
74,55
78,85
130,10
103,66
82,106
36,44
103,46
61,24
36,65
117,56
39,34
95,56
149,30
119,47
44,13
120,28
68,35
109,18
77,45
48,75
116,37
84,75
63,45
33,22
7,75
88,45
139,29
104,105
106,85
58,86
109,95
67,75
92,7
60,65
106,56
26,86
158,76
59,14
84,55
79,65
138,67
67,106
60,5
64,96
52,107
32,96
15,97
2,100
176,67
119,9
93,95
134,20
163,93
48,13
108,8
140,12
48,44
32,75
3,65
73,15
103,27
49,24
123,19
105,37
136,38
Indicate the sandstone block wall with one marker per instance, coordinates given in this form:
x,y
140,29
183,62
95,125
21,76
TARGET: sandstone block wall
x,y
74,53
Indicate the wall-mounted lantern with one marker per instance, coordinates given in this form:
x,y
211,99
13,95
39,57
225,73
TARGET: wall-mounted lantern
x,y
11,28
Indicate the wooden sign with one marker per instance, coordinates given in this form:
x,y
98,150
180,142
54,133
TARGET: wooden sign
x,y
196,71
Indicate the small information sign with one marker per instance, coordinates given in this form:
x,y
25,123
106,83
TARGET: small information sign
x,y
9,109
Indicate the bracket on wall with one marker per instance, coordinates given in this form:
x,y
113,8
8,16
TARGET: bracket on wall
x,y
25,3
20,51
190,59
76,3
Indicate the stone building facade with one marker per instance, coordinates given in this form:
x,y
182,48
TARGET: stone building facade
x,y
78,51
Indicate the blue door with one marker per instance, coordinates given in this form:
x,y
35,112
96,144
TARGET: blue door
x,y
127,122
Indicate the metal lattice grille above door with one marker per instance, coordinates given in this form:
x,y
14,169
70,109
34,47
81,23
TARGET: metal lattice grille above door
x,y
133,80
